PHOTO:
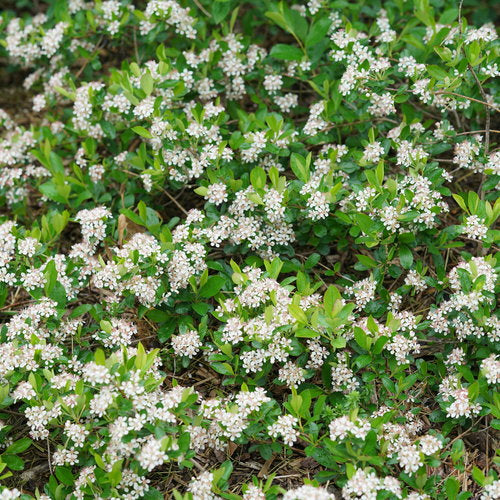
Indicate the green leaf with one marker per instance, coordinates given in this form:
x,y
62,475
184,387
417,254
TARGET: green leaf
x,y
473,201
338,343
254,197
366,261
460,201
108,128
13,462
444,53
361,338
278,18
306,333
405,257
106,326
258,177
80,310
115,476
388,384
473,51
202,191
140,357
297,312
286,52
332,294
299,167
65,475
99,357
98,460
362,361
132,216
50,274
295,22
153,494
201,308
147,83
365,223
142,132
448,16
222,368
437,72
312,260
408,382
473,391
464,278
380,172
220,10
452,487
19,446
213,286
157,315
56,164
318,31
379,345
478,476
55,192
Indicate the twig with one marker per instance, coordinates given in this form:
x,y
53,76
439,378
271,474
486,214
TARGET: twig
x,y
487,109
469,429
457,118
484,96
480,132
178,205
198,4
96,50
460,15
16,304
350,124
487,449
466,97
48,455
136,49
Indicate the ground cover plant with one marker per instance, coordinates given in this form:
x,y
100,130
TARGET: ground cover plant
x,y
248,250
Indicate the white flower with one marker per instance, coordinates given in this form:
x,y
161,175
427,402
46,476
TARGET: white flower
x,y
429,444
373,152
273,83
308,492
284,426
201,487
151,454
187,344
491,491
475,228
409,458
490,367
216,193
291,374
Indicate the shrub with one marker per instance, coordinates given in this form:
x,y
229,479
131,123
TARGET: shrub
x,y
249,250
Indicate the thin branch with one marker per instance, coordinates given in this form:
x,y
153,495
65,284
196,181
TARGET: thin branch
x,y
177,204
480,132
48,456
136,48
96,50
198,4
484,103
484,96
487,109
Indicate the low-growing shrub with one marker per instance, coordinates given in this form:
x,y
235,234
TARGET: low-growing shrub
x,y
248,250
